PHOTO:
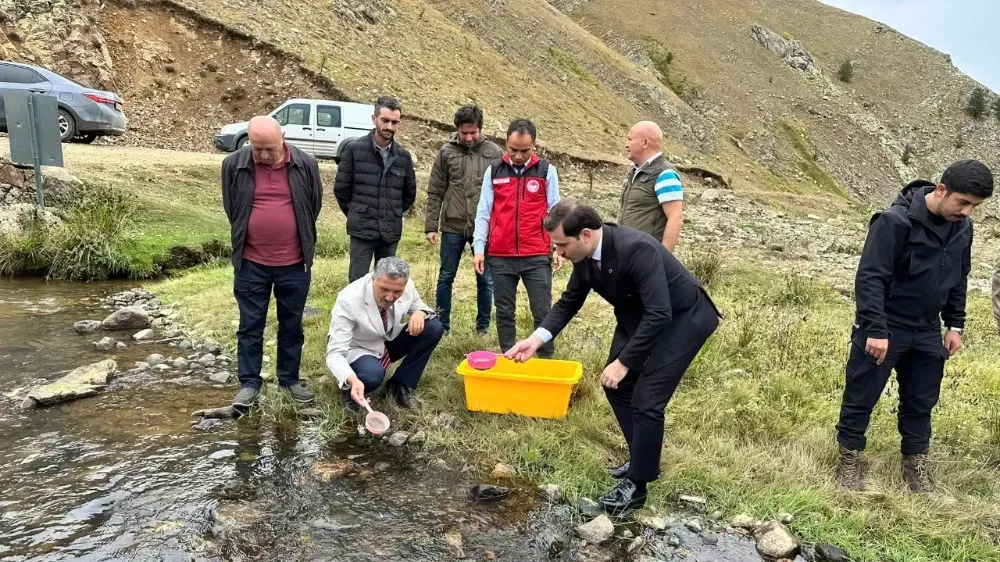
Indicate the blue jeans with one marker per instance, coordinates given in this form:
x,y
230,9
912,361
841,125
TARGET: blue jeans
x,y
252,288
415,351
452,247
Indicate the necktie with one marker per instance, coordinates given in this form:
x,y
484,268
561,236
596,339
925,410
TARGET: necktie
x,y
595,269
385,361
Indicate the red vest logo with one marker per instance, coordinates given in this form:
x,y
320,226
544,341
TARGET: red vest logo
x,y
533,186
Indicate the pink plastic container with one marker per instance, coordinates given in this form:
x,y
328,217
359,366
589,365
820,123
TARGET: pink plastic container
x,y
482,360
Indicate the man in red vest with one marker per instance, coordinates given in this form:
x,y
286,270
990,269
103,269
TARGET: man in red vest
x,y
518,191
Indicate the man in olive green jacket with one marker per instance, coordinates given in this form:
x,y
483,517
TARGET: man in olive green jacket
x,y
652,196
452,196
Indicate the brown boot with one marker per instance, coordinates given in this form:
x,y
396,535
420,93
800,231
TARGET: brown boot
x,y
849,473
915,474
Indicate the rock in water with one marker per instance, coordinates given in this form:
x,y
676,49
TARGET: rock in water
x,y
128,318
180,363
744,521
589,507
329,470
596,531
221,377
206,423
828,553
453,537
399,438
155,359
658,524
309,413
226,412
84,326
551,492
775,541
489,493
105,344
143,335
81,382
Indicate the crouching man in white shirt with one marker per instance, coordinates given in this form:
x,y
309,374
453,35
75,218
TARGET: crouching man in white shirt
x,y
367,334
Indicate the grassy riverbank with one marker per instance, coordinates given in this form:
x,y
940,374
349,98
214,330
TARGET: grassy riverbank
x,y
750,429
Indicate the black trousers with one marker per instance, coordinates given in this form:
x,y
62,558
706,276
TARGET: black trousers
x,y
361,256
918,358
252,288
641,398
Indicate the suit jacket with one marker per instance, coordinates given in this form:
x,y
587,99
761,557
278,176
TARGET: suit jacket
x,y
356,325
661,309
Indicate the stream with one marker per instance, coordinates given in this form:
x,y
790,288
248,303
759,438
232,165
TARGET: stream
x,y
124,476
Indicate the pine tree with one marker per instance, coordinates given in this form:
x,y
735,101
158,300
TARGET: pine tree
x,y
976,107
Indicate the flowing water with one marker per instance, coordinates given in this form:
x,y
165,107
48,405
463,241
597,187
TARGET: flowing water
x,y
124,475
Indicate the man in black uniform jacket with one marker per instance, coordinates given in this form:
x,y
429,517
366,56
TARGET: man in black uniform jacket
x,y
663,318
912,276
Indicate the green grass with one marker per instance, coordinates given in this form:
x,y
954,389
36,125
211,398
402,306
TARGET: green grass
x,y
566,60
809,162
178,207
751,427
149,221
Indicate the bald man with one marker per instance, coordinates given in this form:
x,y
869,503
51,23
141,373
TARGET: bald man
x,y
272,195
652,195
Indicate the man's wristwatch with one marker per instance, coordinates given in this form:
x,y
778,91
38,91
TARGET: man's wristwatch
x,y
954,329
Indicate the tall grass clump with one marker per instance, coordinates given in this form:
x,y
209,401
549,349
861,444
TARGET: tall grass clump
x,y
96,239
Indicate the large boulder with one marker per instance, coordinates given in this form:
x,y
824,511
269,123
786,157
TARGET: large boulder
x,y
17,185
790,50
128,318
14,219
81,382
775,541
597,531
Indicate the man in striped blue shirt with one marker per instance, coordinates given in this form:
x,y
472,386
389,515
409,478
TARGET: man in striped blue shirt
x,y
652,195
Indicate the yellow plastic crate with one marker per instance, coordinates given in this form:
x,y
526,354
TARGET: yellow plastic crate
x,y
537,388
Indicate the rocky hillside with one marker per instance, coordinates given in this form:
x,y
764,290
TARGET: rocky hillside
x,y
748,90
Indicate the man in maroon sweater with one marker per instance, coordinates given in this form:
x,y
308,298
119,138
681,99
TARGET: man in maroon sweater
x,y
272,195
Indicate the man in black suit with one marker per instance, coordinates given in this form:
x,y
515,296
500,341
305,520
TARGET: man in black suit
x,y
664,317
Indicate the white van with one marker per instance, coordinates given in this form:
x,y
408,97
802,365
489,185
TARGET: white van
x,y
318,127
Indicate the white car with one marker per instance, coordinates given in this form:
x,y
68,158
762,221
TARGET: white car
x,y
320,127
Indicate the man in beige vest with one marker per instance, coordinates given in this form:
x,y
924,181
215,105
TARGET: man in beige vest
x,y
652,195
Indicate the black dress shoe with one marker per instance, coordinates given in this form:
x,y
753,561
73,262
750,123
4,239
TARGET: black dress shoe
x,y
624,497
619,472
403,395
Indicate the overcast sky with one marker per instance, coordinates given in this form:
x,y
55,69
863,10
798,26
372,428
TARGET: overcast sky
x,y
964,29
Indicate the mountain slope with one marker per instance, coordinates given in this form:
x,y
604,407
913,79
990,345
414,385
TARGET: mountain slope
x,y
902,92
715,74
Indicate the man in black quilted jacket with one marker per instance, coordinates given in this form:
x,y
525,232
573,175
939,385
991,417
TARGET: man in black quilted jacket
x,y
912,278
375,186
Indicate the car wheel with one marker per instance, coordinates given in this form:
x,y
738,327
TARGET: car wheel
x,y
67,126
243,142
85,139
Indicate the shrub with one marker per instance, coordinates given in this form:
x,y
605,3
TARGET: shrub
x,y
706,266
846,71
907,154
